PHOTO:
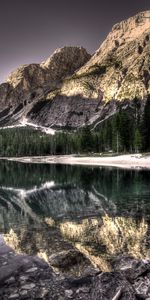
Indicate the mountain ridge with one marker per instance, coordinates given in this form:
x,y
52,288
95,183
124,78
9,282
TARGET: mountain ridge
x,y
122,58
72,88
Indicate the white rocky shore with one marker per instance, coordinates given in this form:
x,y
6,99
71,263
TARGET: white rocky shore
x,y
128,161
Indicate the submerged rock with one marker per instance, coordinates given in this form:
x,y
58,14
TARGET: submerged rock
x,y
29,277
114,285
72,262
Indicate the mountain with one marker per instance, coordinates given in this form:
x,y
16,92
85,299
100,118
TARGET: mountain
x,y
31,83
120,67
73,89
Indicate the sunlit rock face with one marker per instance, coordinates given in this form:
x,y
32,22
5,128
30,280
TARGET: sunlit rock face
x,y
63,62
118,70
71,89
120,67
29,83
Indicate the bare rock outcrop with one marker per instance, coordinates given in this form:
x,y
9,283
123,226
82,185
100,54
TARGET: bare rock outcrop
x,y
120,67
55,92
30,82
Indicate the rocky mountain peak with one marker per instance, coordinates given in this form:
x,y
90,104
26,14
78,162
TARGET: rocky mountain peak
x,y
75,85
120,67
124,33
72,57
133,27
63,62
23,82
26,76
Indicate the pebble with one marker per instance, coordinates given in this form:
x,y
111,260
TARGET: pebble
x,y
60,298
23,293
29,286
69,293
23,278
32,270
83,290
10,280
14,296
43,293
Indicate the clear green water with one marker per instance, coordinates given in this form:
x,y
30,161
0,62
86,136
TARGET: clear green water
x,y
106,211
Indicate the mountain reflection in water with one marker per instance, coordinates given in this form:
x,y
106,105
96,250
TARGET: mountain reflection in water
x,y
104,212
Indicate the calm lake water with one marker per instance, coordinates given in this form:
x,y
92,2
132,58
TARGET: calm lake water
x,y
104,212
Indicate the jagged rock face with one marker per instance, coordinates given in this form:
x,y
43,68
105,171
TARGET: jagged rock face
x,y
120,67
29,82
64,62
27,77
63,112
4,90
119,70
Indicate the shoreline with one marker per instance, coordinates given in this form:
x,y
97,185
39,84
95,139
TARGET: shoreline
x,y
128,161
25,276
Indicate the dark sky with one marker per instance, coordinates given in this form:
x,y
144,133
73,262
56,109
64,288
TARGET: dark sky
x,y
30,30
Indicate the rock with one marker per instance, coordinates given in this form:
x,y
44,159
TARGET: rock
x,y
72,262
23,294
118,294
136,272
29,82
123,263
108,286
43,283
23,278
43,293
117,65
10,280
66,259
131,267
64,61
141,296
69,293
83,290
32,270
71,89
70,112
29,286
14,296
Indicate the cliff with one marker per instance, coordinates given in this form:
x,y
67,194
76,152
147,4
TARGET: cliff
x,y
72,89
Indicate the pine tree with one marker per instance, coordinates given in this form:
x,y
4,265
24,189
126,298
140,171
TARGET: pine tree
x,y
86,140
146,126
137,141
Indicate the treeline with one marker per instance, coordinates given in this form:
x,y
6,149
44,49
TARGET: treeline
x,y
127,131
30,142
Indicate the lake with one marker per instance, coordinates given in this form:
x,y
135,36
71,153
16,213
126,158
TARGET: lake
x,y
102,211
